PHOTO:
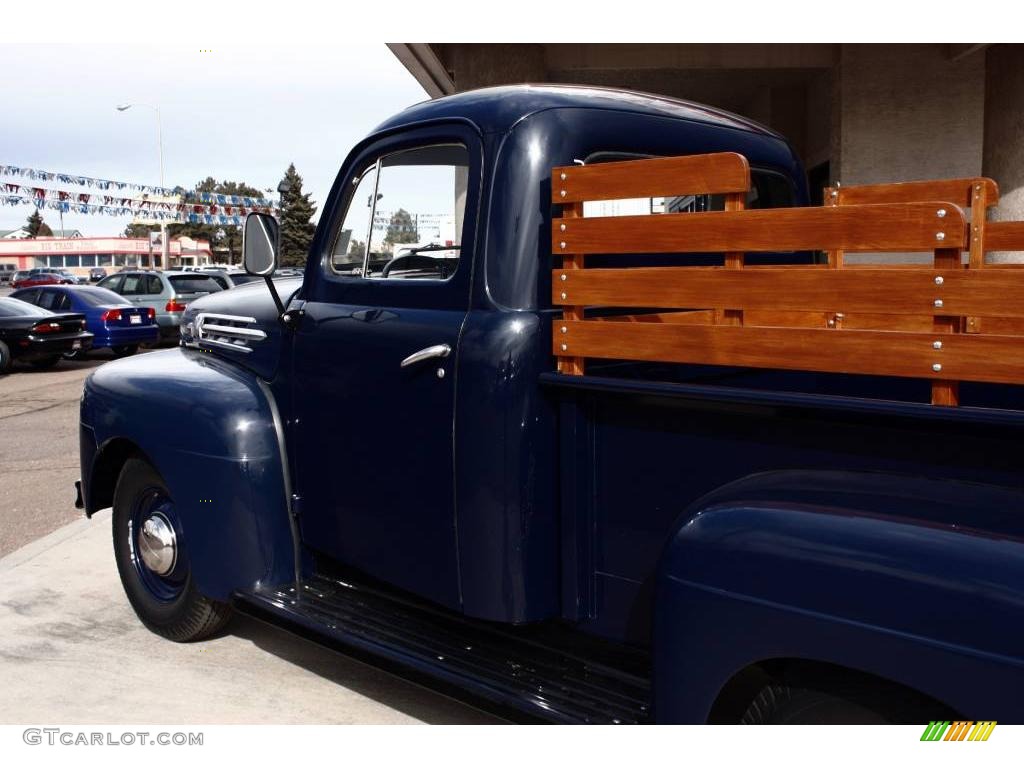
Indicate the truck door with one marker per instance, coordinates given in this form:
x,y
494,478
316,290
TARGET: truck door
x,y
375,360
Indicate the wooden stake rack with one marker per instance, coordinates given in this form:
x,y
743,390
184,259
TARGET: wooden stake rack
x,y
948,321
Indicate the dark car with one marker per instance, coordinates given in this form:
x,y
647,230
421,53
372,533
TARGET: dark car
x,y
116,324
38,336
36,277
96,274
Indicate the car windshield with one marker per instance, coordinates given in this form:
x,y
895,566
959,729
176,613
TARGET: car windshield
x,y
194,284
99,297
16,308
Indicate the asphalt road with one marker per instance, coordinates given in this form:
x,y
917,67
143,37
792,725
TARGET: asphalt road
x,y
39,448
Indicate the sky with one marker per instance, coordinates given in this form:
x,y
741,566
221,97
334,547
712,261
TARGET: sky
x,y
241,114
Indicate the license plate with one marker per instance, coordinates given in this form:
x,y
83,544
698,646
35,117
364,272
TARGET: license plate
x,y
136,320
76,345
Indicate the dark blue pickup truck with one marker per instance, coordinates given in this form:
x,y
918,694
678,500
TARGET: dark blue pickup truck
x,y
580,409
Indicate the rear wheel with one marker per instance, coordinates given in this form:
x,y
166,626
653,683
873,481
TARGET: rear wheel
x,y
125,350
153,562
45,362
778,704
5,359
75,354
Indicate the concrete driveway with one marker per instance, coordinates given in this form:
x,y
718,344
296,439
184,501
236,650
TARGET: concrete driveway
x,y
72,651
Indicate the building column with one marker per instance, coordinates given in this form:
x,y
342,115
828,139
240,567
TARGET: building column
x,y
1003,155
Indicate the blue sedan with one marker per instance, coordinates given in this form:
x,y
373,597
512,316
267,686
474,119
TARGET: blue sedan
x,y
114,323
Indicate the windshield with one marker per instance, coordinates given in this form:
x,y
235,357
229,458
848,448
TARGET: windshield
x,y
17,308
99,297
194,284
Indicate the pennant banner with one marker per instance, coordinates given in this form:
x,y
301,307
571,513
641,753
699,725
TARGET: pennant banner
x,y
112,206
106,185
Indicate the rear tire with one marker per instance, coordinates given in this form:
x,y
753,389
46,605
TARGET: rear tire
x,y
783,705
75,354
168,604
126,350
45,363
5,359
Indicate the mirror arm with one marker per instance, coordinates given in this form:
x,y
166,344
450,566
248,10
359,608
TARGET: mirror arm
x,y
275,294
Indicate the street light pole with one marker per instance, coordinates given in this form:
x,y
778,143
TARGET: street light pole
x,y
165,247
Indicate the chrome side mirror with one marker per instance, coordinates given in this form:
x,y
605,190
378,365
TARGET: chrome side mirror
x,y
260,239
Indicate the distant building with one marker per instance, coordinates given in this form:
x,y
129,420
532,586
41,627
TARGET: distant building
x,y
23,234
79,254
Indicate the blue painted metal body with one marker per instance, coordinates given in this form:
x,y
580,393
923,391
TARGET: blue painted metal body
x,y
720,518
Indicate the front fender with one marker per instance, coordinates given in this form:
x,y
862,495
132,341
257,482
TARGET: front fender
x,y
209,429
913,580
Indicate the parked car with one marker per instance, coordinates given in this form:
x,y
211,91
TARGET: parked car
x,y
38,336
166,293
116,324
229,278
38,276
96,274
70,278
7,272
768,489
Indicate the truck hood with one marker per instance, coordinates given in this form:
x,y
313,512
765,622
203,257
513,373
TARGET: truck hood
x,y
240,324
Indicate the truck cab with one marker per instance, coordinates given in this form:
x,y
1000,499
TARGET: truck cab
x,y
384,455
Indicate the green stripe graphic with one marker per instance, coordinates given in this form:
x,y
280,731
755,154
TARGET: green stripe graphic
x,y
935,730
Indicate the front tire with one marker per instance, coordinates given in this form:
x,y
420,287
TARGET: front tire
x,y
152,559
5,359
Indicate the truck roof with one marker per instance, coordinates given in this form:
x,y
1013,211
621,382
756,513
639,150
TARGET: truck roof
x,y
495,110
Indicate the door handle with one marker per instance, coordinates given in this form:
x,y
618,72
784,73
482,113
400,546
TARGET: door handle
x,y
438,350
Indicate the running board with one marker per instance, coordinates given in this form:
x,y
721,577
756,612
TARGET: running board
x,y
478,658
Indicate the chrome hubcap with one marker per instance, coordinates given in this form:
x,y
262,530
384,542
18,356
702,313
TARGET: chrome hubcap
x,y
157,546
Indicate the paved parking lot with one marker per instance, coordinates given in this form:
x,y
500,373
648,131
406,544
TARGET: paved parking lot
x,y
72,650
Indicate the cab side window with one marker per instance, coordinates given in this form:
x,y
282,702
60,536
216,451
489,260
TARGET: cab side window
x,y
409,208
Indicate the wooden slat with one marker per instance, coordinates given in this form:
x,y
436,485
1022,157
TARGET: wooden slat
x,y
571,264
687,317
655,177
946,391
731,261
878,290
957,191
1004,236
964,357
904,227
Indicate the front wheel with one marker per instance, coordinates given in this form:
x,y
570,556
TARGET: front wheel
x,y
5,359
152,559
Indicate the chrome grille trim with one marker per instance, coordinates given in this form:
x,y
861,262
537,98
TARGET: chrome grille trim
x,y
226,331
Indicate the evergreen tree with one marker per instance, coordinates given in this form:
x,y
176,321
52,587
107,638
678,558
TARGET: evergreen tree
x,y
401,228
297,208
36,226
